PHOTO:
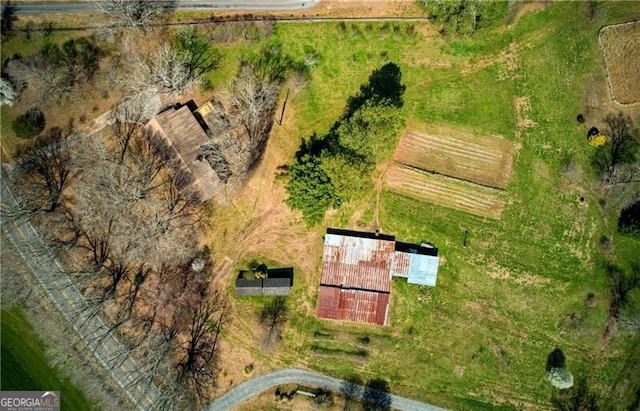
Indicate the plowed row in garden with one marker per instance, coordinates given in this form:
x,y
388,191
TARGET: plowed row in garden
x,y
620,45
465,172
485,160
445,191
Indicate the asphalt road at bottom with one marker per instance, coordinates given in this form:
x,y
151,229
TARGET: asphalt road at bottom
x,y
261,383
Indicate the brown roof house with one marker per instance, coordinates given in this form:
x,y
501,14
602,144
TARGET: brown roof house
x,y
180,131
356,274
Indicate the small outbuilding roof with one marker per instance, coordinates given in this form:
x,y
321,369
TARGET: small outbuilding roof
x,y
278,282
418,264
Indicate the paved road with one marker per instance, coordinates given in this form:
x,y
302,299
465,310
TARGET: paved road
x,y
88,5
256,385
74,308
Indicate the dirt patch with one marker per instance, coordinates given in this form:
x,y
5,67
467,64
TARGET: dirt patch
x,y
620,46
484,160
508,61
445,191
498,272
522,107
518,9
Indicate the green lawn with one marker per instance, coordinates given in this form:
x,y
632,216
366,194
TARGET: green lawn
x,y
517,291
25,366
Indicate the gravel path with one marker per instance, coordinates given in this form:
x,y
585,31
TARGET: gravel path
x,y
258,384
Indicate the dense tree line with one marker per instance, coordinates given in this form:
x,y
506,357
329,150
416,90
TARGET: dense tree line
x,y
336,167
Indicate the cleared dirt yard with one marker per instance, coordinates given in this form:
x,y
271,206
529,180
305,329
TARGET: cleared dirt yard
x,y
620,46
445,191
484,160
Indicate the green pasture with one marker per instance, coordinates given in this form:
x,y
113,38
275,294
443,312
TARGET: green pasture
x,y
517,291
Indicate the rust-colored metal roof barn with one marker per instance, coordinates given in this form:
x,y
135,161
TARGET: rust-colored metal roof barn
x,y
356,274
353,305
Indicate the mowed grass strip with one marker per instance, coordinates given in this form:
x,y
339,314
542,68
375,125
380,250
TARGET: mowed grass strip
x,y
485,160
445,191
618,44
25,366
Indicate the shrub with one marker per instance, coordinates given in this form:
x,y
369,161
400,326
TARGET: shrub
x,y
605,243
560,378
598,140
323,398
30,124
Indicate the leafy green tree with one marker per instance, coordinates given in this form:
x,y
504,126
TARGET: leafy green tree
x,y
372,131
310,188
349,176
29,124
629,220
337,166
555,359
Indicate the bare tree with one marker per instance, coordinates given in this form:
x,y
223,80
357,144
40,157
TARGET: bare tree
x,y
165,70
376,395
55,71
623,141
199,57
46,167
624,138
136,13
196,369
351,389
127,117
252,101
273,316
621,285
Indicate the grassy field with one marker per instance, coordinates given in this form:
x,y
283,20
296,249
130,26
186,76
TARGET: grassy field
x,y
517,291
25,366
